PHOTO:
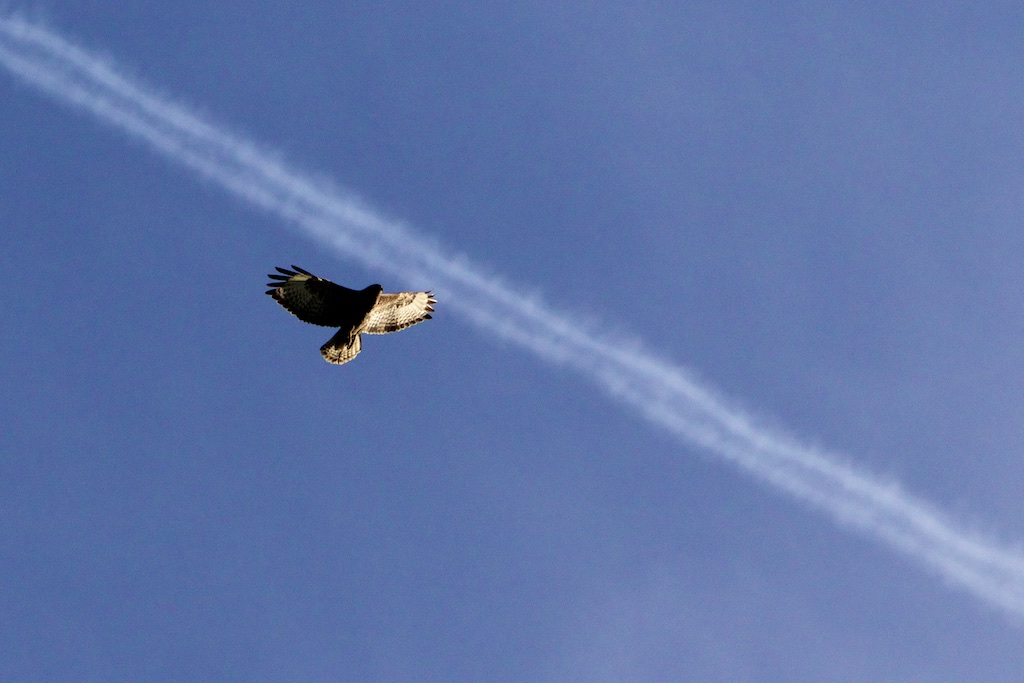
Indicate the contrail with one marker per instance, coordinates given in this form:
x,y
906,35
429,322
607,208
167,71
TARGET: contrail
x,y
664,393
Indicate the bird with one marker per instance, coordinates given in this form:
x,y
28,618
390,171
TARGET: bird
x,y
318,301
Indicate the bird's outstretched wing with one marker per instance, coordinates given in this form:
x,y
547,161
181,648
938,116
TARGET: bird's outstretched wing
x,y
310,298
394,312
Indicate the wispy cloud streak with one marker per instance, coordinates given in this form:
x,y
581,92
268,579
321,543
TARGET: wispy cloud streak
x,y
665,394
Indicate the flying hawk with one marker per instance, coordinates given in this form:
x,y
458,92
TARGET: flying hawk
x,y
315,300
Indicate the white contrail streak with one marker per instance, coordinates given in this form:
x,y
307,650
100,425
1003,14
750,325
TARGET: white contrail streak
x,y
662,392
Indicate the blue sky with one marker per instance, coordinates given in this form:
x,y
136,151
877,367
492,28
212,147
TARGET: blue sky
x,y
815,209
